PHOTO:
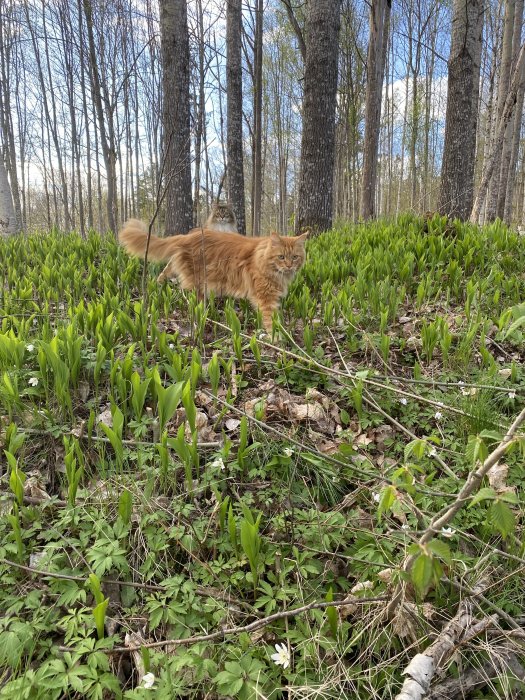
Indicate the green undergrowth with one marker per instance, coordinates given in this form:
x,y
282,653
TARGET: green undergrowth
x,y
169,472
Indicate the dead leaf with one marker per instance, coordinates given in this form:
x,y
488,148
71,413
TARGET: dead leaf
x,y
347,610
498,476
106,418
84,389
385,575
249,408
34,489
306,411
363,440
315,395
362,586
35,558
232,424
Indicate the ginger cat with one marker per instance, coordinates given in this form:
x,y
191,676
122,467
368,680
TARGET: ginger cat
x,y
221,218
257,269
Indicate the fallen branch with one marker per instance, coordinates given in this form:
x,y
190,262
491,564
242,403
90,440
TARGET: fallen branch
x,y
504,663
443,518
422,668
203,592
257,624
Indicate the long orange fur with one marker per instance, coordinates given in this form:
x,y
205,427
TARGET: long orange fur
x,y
257,269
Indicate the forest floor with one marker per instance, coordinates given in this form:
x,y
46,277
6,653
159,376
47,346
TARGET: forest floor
x,y
192,509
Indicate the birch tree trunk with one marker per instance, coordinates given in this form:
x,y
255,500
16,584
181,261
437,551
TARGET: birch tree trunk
x,y
315,205
511,142
457,170
517,84
7,211
503,86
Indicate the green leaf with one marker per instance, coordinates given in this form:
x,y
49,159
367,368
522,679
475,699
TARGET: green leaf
x,y
331,614
421,574
484,494
440,549
168,401
99,613
491,435
388,497
125,504
502,518
514,326
476,450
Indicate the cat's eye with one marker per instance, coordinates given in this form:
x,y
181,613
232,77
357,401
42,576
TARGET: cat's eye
x,y
295,257
281,257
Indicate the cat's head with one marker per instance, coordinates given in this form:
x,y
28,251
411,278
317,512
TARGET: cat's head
x,y
286,254
222,213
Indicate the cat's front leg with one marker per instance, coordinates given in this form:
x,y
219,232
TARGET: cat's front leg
x,y
267,315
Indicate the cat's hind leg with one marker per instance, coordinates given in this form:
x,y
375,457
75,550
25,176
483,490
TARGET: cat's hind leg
x,y
169,272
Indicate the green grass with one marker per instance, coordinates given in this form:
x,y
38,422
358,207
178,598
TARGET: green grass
x,y
126,458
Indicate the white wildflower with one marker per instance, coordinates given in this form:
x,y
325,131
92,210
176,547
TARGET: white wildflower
x,y
30,347
440,404
447,532
403,401
512,394
461,383
35,322
218,463
438,415
405,526
148,681
33,381
171,346
288,452
433,452
376,497
282,656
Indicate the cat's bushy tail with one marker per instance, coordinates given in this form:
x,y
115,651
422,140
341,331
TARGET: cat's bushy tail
x,y
133,236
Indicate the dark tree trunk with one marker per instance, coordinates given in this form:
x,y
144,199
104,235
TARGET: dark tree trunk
x,y
176,115
377,47
457,170
235,166
257,127
316,179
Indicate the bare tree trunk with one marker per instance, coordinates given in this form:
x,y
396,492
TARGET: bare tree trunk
x,y
83,89
517,84
511,142
457,170
6,122
200,115
503,85
8,225
176,114
235,167
379,22
511,178
315,208
257,120
107,140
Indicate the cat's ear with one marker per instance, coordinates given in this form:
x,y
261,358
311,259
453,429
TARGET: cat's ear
x,y
275,238
302,238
